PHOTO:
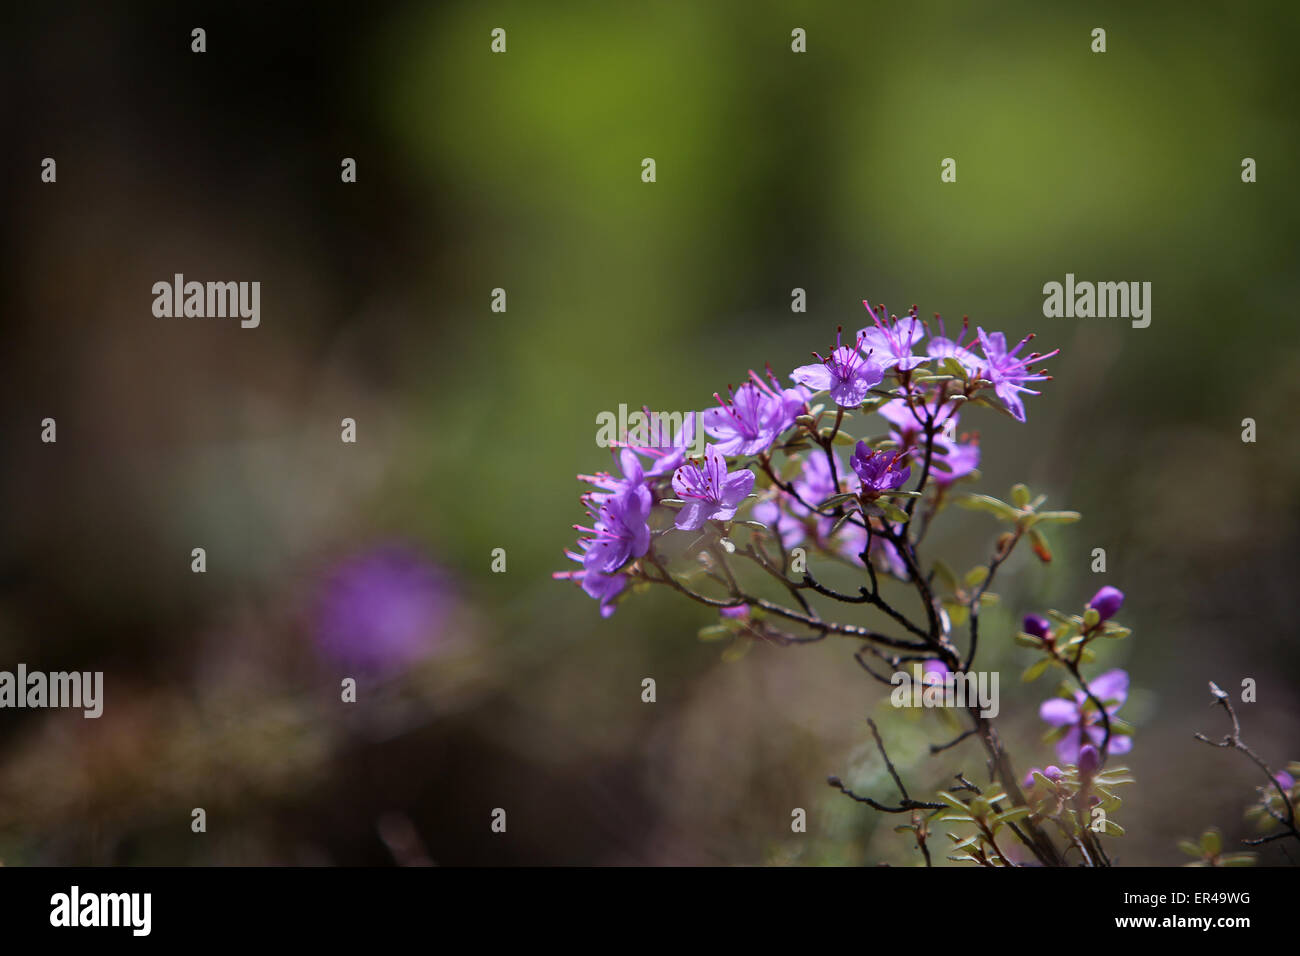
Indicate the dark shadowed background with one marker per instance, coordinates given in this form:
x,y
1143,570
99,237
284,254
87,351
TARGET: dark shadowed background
x,y
775,170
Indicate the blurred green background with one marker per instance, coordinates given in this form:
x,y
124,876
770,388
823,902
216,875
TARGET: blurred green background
x,y
522,171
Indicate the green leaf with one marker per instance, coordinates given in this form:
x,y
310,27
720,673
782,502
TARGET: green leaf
x,y
1211,843
945,575
714,632
954,368
1010,816
976,576
993,506
1020,494
839,499
1190,848
891,510
1036,670
958,614
1056,517
951,800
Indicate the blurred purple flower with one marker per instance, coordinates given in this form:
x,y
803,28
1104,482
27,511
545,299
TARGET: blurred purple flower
x,y
1037,625
1084,722
665,449
953,460
382,608
1052,773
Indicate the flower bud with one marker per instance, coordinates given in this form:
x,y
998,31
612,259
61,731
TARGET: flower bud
x,y
1089,760
1037,625
1107,602
1052,773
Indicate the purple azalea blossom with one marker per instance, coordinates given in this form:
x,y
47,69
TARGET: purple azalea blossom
x,y
1084,722
633,479
1107,602
950,460
890,342
941,347
603,587
847,374
665,450
814,484
1008,372
879,471
738,613
1284,779
620,531
882,553
382,608
908,421
755,415
953,460
709,491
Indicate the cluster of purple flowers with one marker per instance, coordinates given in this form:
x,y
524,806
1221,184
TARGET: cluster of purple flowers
x,y
1084,733
761,415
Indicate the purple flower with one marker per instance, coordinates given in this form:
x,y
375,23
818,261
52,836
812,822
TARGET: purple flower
x,y
382,608
666,450
710,492
738,613
1037,625
1008,372
633,478
953,460
879,471
603,587
890,342
620,531
1052,773
950,459
908,421
1089,760
847,374
755,415
1084,722
934,672
1285,780
1107,602
941,347
814,484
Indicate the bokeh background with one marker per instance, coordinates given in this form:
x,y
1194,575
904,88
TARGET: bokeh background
x,y
480,690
